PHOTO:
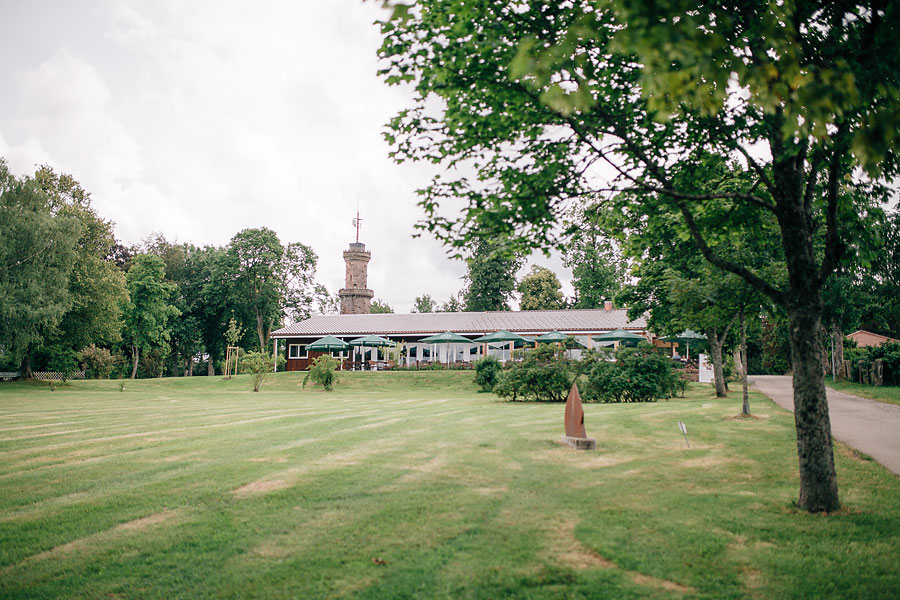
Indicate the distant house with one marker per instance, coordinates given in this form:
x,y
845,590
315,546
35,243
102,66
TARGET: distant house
x,y
408,329
864,338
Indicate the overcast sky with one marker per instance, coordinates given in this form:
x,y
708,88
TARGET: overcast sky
x,y
198,119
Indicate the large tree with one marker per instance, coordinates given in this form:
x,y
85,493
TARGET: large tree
x,y
552,102
149,311
490,278
96,283
598,268
540,289
267,281
37,248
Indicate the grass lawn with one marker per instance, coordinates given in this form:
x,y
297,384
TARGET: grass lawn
x,y
889,394
412,485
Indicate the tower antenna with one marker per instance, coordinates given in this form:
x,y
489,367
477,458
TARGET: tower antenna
x,y
356,223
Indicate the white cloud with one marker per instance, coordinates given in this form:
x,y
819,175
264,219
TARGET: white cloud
x,y
201,119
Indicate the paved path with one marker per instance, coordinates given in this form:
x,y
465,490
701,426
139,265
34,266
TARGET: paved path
x,y
869,426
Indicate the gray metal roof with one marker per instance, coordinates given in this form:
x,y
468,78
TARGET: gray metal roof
x,y
530,321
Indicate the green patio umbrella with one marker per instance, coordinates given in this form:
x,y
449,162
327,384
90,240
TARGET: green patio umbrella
x,y
371,341
328,343
619,335
686,336
503,336
552,337
448,337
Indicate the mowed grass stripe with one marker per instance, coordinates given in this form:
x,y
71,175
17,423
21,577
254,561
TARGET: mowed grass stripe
x,y
460,495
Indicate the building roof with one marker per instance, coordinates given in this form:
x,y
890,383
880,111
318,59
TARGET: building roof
x,y
867,338
530,321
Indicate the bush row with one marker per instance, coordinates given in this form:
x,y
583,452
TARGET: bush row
x,y
639,374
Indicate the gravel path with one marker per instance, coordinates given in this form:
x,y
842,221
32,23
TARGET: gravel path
x,y
866,425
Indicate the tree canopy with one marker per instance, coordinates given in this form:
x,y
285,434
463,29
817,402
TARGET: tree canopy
x,y
540,290
491,277
553,104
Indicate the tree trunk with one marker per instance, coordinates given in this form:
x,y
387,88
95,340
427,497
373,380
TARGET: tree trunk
x,y
838,358
745,407
260,332
26,365
135,353
715,353
210,368
818,481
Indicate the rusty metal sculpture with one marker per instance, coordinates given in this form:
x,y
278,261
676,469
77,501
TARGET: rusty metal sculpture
x,y
575,433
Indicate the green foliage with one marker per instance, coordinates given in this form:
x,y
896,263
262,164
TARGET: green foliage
x,y
487,373
64,361
149,310
424,304
543,375
379,307
266,279
234,332
639,374
259,365
540,290
598,269
97,362
455,303
322,372
37,250
491,277
889,355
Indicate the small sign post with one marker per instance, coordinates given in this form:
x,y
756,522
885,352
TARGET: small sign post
x,y
683,429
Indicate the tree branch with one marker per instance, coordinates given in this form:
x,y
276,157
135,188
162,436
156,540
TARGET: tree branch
x,y
834,247
749,276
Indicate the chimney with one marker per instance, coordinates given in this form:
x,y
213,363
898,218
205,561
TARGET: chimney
x,y
607,305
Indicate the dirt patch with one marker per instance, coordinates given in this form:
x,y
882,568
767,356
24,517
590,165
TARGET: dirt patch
x,y
148,521
270,549
655,582
564,547
261,486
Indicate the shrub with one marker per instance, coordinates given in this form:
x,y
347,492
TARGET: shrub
x,y
65,361
544,375
638,374
322,372
99,362
487,372
259,364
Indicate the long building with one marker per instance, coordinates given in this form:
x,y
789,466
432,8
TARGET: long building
x,y
408,329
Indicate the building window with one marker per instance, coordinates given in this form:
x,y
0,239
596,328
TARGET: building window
x,y
297,351
340,353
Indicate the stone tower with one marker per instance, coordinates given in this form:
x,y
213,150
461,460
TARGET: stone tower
x,y
355,297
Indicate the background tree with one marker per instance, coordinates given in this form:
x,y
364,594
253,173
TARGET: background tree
x,y
538,98
148,311
267,281
540,290
37,249
455,303
491,277
96,285
423,304
379,307
598,270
